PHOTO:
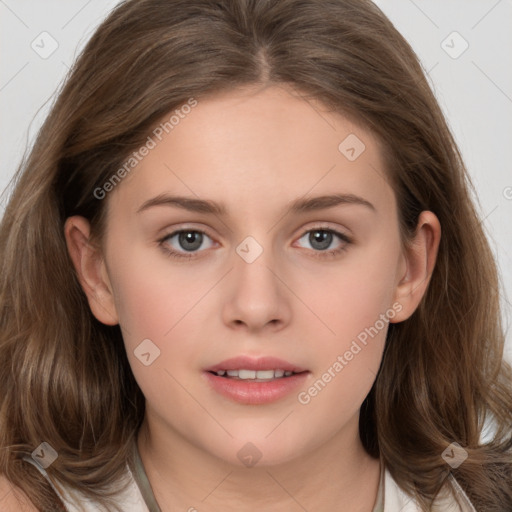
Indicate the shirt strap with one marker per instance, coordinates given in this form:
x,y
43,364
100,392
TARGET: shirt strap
x,y
141,479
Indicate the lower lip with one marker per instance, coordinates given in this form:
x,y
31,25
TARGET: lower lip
x,y
255,393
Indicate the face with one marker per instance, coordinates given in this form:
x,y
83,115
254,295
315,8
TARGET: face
x,y
249,264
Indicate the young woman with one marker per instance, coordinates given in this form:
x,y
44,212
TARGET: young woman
x,y
241,270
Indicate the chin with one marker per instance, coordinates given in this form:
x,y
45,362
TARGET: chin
x,y
261,451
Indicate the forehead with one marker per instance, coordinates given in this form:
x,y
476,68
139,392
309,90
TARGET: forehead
x,y
249,145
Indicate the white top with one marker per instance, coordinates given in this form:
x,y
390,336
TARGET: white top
x,y
130,500
390,498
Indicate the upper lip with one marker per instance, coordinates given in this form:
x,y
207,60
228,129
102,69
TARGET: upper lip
x,y
255,363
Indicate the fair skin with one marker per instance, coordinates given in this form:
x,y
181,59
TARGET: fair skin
x,y
12,499
255,151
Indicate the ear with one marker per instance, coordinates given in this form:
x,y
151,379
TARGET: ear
x,y
91,269
419,261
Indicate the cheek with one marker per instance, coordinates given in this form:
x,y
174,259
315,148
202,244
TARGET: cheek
x,y
146,308
157,304
164,312
346,362
351,296
355,303
152,292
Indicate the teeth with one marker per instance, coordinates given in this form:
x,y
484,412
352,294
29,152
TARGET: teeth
x,y
263,374
253,374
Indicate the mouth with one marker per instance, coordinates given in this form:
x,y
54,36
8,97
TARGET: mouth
x,y
255,381
255,375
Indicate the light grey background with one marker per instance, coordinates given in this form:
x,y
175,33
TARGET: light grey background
x,y
473,88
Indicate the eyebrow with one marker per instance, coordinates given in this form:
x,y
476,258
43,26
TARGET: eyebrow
x,y
298,206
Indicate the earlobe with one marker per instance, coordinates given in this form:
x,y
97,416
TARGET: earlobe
x,y
90,268
420,258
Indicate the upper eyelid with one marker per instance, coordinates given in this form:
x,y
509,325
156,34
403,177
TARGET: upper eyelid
x,y
174,232
344,237
319,226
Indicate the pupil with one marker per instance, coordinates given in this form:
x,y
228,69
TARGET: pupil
x,y
323,238
187,241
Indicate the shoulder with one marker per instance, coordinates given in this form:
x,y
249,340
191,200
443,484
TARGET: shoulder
x,y
446,501
13,499
456,501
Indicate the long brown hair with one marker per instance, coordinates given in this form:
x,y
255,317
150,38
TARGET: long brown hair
x,y
442,374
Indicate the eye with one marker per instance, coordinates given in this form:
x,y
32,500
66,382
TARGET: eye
x,y
184,241
321,240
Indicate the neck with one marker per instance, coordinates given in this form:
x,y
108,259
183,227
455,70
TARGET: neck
x,y
185,477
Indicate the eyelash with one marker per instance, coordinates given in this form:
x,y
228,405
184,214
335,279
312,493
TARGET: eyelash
x,y
320,254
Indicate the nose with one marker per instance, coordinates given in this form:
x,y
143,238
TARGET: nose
x,y
257,297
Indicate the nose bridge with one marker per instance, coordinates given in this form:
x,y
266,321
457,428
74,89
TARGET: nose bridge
x,y
253,276
257,296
